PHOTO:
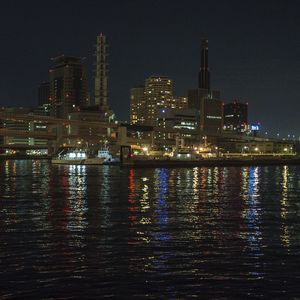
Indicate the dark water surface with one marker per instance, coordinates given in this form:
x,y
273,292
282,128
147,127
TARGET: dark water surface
x,y
78,232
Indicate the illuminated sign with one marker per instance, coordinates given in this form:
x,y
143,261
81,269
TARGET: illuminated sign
x,y
254,127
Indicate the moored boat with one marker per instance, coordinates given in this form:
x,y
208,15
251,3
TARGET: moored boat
x,y
76,157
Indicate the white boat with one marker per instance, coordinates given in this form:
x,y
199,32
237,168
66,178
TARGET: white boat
x,y
76,157
108,158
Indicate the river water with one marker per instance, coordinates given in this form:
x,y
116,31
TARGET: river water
x,y
95,232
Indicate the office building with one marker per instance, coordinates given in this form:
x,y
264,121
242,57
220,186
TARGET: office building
x,y
211,116
68,86
236,116
178,118
158,94
146,101
174,123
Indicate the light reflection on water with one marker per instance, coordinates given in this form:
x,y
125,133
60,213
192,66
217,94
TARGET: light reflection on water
x,y
100,231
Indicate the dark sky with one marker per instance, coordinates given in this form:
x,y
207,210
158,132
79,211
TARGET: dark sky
x,y
254,49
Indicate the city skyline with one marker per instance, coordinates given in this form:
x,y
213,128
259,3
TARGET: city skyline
x,y
257,68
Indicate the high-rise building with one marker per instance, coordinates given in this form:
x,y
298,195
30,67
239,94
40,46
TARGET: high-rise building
x,y
43,93
146,101
140,103
158,94
211,116
206,101
101,76
137,105
210,110
204,76
236,116
68,86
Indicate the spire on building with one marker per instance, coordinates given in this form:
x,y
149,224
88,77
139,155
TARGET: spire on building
x,y
204,77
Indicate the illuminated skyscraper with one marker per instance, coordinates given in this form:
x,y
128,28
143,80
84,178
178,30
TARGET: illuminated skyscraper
x,y
101,76
146,101
158,94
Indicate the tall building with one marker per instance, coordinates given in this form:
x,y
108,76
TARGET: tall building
x,y
158,94
236,116
204,76
43,93
68,86
206,101
101,76
137,105
211,116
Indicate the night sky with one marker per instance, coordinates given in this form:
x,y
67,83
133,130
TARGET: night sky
x,y
254,49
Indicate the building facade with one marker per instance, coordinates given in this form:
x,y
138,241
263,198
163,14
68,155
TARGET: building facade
x,y
68,86
145,101
211,116
179,102
174,124
158,94
236,116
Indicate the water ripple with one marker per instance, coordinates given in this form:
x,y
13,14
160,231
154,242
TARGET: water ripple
x,y
72,232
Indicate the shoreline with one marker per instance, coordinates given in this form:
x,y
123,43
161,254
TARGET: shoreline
x,y
169,163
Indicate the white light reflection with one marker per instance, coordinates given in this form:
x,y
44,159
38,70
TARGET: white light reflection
x,y
252,211
77,220
252,216
285,235
196,183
